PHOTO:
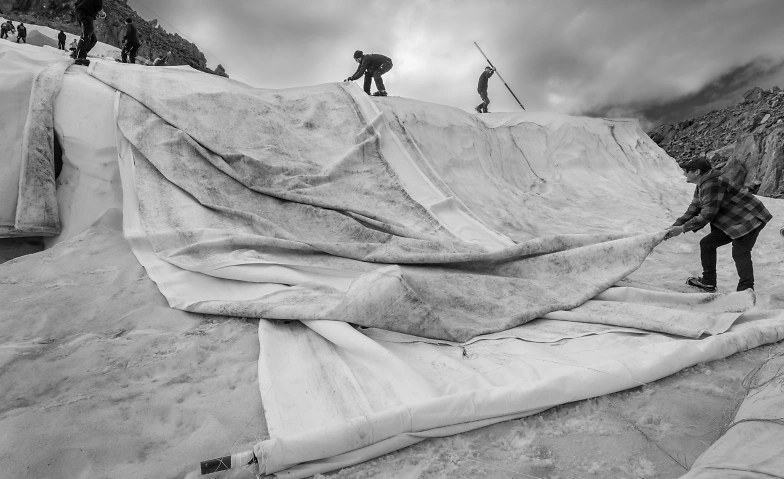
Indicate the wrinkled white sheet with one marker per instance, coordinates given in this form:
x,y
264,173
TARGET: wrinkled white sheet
x,y
335,395
30,79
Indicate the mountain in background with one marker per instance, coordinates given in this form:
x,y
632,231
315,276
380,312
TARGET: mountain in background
x,y
155,40
744,141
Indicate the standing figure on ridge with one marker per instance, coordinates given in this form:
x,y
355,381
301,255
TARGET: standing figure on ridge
x,y
5,28
373,65
734,216
61,40
21,33
87,11
130,42
482,89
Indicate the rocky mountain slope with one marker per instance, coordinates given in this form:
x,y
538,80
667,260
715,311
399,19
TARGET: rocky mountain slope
x,y
745,141
155,40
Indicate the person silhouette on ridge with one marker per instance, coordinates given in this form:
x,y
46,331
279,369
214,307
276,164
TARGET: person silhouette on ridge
x,y
5,28
21,33
61,40
373,65
482,89
87,11
130,42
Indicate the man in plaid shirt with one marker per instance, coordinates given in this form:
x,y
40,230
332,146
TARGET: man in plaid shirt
x,y
735,217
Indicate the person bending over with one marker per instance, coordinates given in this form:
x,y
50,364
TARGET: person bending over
x,y
373,65
5,28
735,216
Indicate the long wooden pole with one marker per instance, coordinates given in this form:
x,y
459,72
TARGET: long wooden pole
x,y
499,75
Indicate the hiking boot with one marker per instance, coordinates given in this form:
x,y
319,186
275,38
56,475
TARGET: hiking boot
x,y
380,93
478,109
82,61
699,283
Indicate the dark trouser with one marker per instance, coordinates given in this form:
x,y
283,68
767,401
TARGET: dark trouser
x,y
3,33
129,51
485,101
741,253
24,39
88,38
376,75
61,46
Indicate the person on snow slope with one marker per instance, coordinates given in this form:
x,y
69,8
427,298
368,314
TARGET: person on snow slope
x,y
372,65
87,11
735,216
482,89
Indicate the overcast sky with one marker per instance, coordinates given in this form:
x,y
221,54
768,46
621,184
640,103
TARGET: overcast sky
x,y
660,61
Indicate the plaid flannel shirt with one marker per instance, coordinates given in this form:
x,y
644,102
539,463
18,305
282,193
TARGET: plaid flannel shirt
x,y
718,202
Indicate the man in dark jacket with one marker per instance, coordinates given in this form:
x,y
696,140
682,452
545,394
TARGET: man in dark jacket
x,y
61,40
130,41
482,89
5,28
373,65
21,33
86,13
735,217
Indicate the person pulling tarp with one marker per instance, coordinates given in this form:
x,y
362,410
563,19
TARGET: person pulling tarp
x,y
373,65
735,216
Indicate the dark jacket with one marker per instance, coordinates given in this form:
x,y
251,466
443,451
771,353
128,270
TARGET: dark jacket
x,y
370,63
131,34
720,203
61,37
89,8
483,80
21,31
8,26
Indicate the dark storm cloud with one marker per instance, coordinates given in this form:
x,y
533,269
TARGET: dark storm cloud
x,y
652,60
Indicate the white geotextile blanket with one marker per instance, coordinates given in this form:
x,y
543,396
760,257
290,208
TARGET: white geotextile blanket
x,y
335,394
305,188
30,79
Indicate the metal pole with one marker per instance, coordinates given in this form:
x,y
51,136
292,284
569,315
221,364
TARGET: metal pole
x,y
499,75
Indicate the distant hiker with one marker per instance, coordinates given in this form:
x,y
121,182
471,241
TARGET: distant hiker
x,y
73,46
61,40
130,42
5,28
86,13
734,216
373,65
21,33
482,89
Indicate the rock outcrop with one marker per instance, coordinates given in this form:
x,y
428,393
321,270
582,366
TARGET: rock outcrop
x,y
745,141
155,40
